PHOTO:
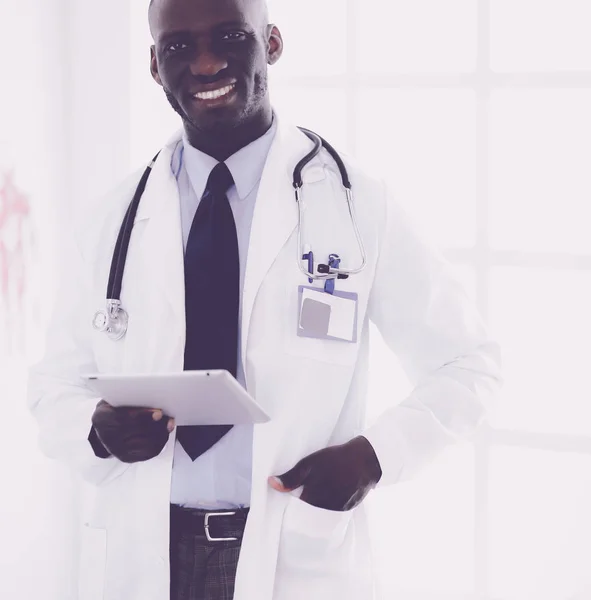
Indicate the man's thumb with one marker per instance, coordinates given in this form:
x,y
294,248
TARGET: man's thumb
x,y
292,479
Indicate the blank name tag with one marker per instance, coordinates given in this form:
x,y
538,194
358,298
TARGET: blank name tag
x,y
327,316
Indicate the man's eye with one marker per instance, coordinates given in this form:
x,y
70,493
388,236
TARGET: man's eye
x,y
233,36
176,47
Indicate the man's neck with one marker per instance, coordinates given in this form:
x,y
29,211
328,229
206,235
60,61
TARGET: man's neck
x,y
225,145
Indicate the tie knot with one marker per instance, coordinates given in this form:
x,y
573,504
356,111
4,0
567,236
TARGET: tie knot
x,y
220,180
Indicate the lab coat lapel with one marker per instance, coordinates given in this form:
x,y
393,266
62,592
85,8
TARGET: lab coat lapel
x,y
160,250
275,216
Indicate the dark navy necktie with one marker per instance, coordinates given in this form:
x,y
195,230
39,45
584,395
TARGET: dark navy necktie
x,y
212,282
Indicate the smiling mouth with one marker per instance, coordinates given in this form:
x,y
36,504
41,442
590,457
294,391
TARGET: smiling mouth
x,y
215,94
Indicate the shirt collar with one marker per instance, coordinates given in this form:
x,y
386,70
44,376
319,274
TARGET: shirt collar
x,y
246,165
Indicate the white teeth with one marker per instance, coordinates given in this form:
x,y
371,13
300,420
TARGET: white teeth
x,y
213,95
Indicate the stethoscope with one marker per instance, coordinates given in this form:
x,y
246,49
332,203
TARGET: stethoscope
x,y
114,319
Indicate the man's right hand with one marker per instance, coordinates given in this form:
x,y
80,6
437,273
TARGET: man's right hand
x,y
131,434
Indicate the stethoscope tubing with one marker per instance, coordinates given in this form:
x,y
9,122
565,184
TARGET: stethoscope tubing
x,y
124,237
320,142
116,326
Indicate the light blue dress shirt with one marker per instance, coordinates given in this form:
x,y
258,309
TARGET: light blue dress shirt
x,y
221,477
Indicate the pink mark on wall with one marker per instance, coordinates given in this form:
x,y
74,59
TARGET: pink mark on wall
x,y
15,212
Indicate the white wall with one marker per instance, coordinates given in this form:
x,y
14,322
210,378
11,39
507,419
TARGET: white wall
x,y
64,114
35,493
98,96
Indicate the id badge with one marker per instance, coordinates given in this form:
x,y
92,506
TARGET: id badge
x,y
327,316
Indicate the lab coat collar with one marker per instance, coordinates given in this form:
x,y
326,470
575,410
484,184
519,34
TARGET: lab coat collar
x,y
161,189
282,133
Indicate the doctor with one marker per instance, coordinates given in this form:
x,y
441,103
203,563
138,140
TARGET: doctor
x,y
212,280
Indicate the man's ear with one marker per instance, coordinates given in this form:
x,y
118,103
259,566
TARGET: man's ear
x,y
154,66
275,44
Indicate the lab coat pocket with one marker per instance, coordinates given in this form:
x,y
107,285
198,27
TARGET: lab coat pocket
x,y
312,538
337,352
316,347
93,560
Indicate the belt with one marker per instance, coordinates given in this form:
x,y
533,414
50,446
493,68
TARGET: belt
x,y
215,526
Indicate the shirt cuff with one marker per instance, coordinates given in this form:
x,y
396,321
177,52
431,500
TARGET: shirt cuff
x,y
99,450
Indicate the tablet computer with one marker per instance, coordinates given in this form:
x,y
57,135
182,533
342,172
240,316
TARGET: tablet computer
x,y
191,397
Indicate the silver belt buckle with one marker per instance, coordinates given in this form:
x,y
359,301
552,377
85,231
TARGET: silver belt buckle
x,y
217,514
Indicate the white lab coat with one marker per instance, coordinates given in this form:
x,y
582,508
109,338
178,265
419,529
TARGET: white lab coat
x,y
313,389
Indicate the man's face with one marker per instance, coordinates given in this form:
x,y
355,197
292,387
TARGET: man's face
x,y
211,58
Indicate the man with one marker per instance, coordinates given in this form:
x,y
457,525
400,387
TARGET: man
x,y
211,281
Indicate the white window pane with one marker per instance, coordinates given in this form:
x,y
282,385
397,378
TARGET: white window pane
x,y
314,35
467,276
319,109
419,36
423,143
540,157
540,543
542,321
423,530
529,35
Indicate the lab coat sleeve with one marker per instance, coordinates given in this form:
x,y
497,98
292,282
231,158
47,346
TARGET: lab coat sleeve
x,y
57,396
428,321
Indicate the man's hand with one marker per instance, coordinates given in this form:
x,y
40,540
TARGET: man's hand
x,y
131,434
336,478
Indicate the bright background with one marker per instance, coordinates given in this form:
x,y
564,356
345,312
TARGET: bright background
x,y
477,113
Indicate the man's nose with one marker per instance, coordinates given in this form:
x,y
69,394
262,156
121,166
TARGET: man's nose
x,y
207,63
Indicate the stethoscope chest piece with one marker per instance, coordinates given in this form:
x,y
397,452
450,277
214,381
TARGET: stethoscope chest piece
x,y
113,321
